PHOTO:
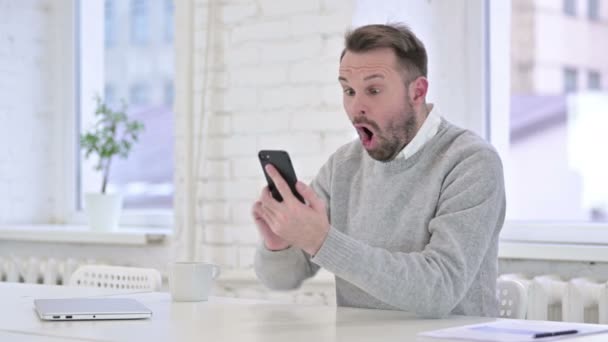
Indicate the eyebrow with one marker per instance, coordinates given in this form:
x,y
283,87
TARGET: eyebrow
x,y
367,78
373,76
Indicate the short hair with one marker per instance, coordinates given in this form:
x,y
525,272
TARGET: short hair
x,y
409,50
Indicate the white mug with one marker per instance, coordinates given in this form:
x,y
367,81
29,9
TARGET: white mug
x,y
191,281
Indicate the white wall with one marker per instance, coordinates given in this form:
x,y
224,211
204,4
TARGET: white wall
x,y
27,156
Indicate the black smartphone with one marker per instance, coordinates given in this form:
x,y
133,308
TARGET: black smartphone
x,y
281,161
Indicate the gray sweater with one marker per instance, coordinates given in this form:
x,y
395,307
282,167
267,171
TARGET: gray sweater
x,y
417,234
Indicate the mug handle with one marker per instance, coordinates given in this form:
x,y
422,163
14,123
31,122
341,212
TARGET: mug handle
x,y
216,272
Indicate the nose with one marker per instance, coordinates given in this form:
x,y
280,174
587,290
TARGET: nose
x,y
358,106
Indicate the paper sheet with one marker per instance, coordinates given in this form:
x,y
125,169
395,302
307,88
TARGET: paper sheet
x,y
514,330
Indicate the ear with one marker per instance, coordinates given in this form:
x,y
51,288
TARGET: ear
x,y
418,89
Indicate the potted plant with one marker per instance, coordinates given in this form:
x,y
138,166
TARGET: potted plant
x,y
112,135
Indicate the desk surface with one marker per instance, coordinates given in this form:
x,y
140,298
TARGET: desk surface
x,y
219,319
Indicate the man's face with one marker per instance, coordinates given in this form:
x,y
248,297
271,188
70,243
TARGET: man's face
x,y
377,102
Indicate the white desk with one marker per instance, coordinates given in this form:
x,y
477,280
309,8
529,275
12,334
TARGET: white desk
x,y
219,319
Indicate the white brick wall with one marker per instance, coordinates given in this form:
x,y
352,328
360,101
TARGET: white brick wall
x,y
258,124
26,139
261,30
292,49
235,13
271,85
281,9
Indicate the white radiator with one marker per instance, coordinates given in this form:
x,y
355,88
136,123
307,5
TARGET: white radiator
x,y
38,270
550,297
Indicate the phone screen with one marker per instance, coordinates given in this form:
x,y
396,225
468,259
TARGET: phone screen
x,y
281,161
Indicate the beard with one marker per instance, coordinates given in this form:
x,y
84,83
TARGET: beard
x,y
397,134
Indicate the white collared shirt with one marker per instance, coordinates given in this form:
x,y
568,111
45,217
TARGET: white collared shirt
x,y
427,131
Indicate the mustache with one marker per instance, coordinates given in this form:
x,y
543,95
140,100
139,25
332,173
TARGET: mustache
x,y
362,120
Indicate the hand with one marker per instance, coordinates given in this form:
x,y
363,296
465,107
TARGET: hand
x,y
303,225
271,240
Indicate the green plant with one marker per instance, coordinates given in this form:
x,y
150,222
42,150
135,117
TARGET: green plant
x,y
113,134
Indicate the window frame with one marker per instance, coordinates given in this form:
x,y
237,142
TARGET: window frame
x,y
86,81
578,241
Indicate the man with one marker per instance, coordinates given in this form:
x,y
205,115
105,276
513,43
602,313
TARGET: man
x,y
406,218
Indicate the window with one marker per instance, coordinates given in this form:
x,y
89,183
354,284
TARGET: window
x,y
169,22
594,80
139,94
110,24
109,94
570,7
554,168
139,75
570,80
140,27
169,93
593,10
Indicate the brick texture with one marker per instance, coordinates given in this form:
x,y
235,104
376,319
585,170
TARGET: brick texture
x,y
271,84
27,158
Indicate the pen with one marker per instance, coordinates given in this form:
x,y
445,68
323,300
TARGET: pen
x,y
555,333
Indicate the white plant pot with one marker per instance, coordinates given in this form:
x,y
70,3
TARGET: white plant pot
x,y
103,210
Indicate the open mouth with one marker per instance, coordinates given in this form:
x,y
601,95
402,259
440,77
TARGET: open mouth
x,y
366,134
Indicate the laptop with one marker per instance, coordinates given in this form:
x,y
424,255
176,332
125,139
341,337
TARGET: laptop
x,y
72,309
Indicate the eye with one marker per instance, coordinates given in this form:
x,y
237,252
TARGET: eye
x,y
374,91
349,92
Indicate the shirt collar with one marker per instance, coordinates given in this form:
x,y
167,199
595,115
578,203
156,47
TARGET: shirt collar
x,y
427,131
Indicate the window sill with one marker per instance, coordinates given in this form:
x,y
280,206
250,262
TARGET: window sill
x,y
552,252
535,242
546,241
83,235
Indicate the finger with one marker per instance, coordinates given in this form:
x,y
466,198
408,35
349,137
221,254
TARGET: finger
x,y
261,224
310,196
266,215
256,210
264,191
270,205
279,183
268,201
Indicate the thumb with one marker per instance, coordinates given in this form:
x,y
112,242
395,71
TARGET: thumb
x,y
310,196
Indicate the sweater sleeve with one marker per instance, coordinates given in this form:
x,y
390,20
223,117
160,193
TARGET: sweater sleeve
x,y
430,283
283,270
288,268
